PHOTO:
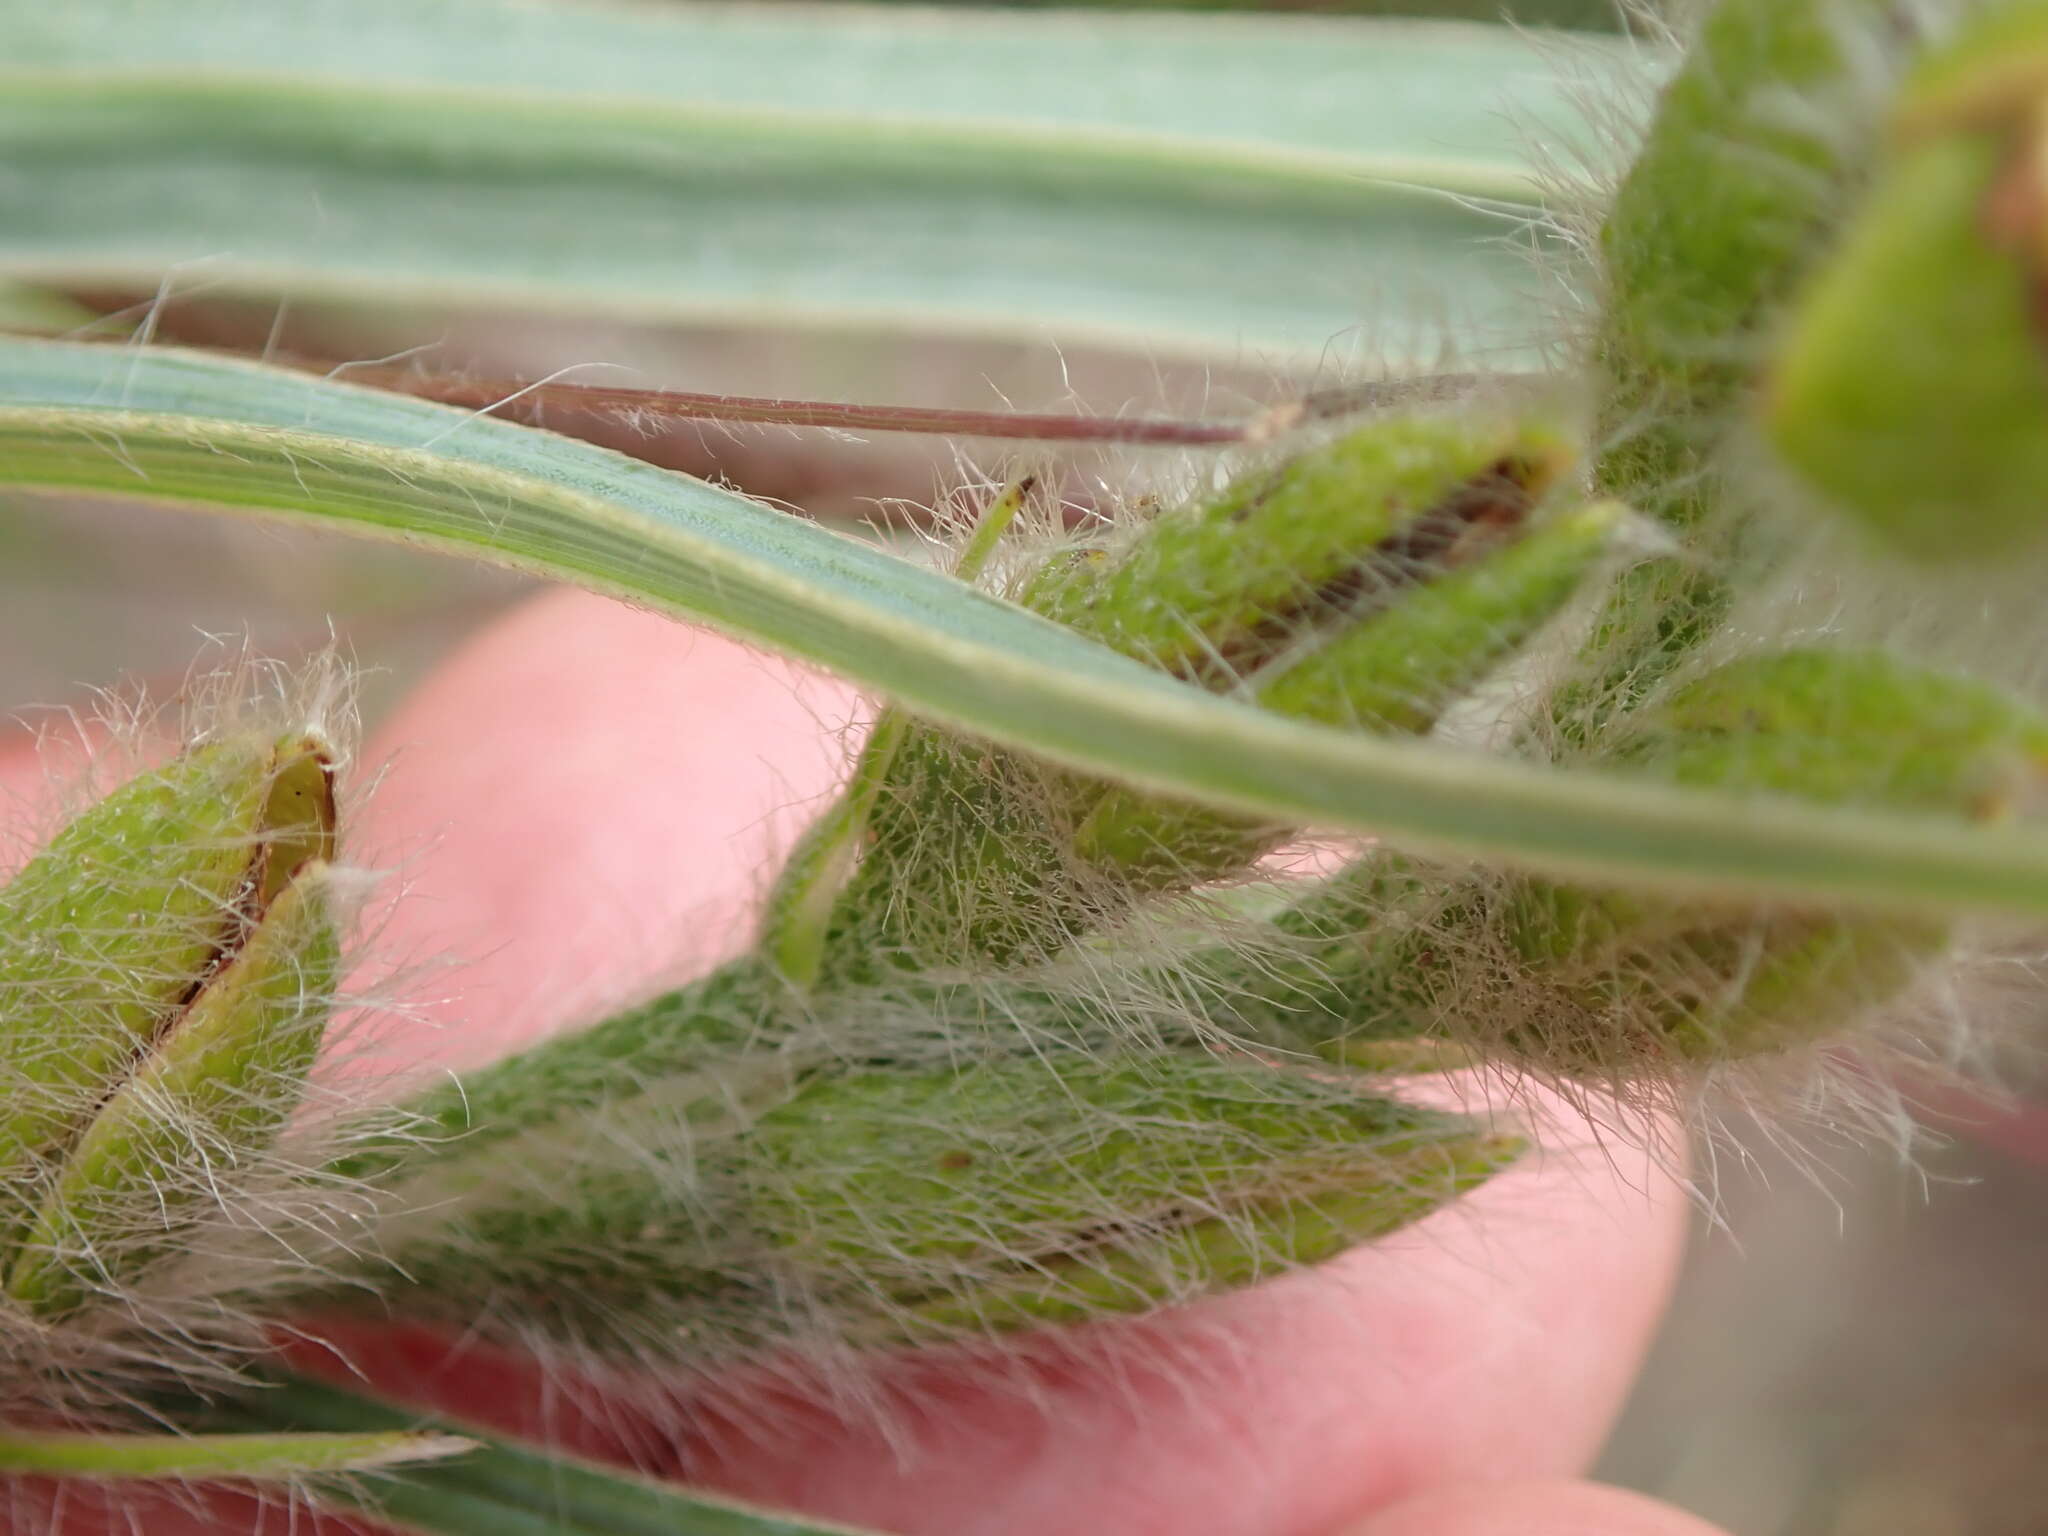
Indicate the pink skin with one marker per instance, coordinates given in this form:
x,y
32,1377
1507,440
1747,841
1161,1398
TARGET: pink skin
x,y
581,793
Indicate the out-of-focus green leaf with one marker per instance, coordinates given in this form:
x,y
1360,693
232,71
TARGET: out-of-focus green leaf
x,y
1275,188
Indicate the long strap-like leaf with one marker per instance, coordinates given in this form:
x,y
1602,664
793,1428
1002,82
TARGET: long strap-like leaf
x,y
185,428
501,1487
1224,186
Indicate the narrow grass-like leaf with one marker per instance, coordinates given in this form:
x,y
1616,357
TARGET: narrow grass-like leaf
x,y
506,1488
261,1457
1206,185
182,428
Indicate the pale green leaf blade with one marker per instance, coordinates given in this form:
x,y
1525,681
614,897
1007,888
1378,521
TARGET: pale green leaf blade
x,y
1212,185
510,1489
256,1456
188,428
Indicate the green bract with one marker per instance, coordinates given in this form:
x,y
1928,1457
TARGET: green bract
x,y
167,965
1219,588
1395,667
888,1201
1017,1192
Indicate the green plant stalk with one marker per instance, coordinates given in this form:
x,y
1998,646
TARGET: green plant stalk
x,y
671,164
797,918
1594,15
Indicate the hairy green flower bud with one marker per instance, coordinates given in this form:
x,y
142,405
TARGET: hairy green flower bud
x,y
166,963
1216,590
210,1096
1706,981
1297,583
1911,389
1759,146
1395,670
1729,200
106,934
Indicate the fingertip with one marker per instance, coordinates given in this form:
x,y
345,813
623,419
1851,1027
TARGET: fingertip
x,y
1531,1509
579,805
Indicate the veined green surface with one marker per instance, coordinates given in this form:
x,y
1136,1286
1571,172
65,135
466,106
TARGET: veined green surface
x,y
1215,185
186,428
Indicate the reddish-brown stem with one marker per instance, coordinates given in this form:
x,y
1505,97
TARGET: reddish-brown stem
x,y
530,400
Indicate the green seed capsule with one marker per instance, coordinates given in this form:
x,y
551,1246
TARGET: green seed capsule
x,y
1911,389
209,1097
1010,1194
107,932
1705,982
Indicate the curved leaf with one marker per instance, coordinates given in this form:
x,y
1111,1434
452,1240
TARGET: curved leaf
x,y
182,427
502,1486
1216,185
